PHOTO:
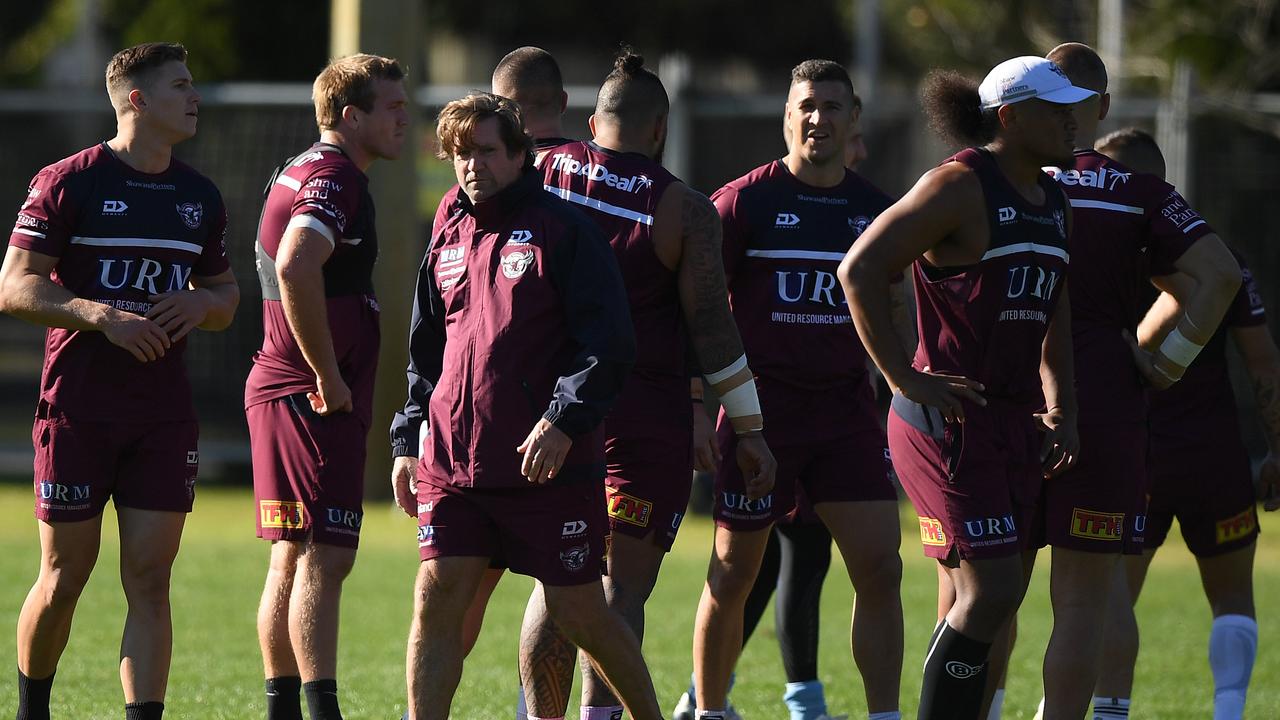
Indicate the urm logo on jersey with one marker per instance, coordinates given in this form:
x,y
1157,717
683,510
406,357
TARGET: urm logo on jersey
x,y
817,287
1031,280
118,273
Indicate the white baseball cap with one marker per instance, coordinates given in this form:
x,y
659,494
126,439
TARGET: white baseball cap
x,y
1027,77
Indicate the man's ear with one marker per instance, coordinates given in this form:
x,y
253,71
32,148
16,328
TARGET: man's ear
x,y
1104,106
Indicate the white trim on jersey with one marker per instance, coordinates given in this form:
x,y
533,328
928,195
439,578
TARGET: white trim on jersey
x,y
1192,226
600,205
291,183
1027,247
32,233
311,223
797,254
1104,205
137,242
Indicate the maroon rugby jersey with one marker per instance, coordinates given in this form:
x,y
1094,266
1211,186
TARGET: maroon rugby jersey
x,y
987,321
120,236
620,192
324,191
783,241
1124,223
1200,409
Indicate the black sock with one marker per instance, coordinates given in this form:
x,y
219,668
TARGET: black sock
x,y
322,699
33,697
284,701
955,673
144,711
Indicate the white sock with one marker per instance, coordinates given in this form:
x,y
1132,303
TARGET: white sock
x,y
1110,708
997,704
1233,646
522,707
1039,711
601,712
710,714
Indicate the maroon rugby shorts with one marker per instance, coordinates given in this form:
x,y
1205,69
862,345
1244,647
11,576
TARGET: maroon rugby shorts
x,y
554,533
1209,489
308,472
79,465
853,467
973,484
649,475
1100,504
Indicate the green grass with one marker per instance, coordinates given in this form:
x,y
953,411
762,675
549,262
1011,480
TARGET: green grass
x,y
217,672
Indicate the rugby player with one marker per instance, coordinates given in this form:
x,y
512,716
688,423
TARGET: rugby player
x,y
520,319
986,233
1194,437
795,561
787,224
309,396
666,237
1096,512
119,250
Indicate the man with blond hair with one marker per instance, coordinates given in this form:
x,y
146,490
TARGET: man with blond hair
x,y
309,397
119,251
520,319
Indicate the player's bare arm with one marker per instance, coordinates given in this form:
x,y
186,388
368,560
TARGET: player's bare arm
x,y
26,292
706,448
299,260
1061,444
704,300
1191,303
1164,314
900,310
1217,276
209,304
1262,364
935,219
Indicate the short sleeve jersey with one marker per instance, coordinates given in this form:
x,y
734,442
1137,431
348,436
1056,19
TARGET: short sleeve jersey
x,y
1200,409
121,237
1125,222
321,190
783,241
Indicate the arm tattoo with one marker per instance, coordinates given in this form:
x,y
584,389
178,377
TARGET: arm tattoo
x,y
711,324
1266,393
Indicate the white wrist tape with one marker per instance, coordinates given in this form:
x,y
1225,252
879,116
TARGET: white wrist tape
x,y
736,388
742,407
1179,349
734,368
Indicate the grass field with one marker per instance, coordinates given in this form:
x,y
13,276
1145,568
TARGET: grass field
x,y
216,667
